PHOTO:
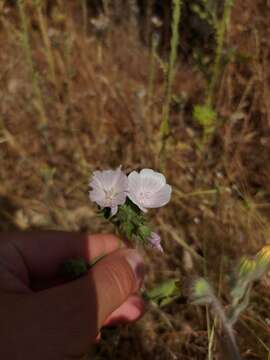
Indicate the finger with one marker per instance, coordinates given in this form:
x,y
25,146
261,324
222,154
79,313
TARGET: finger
x,y
98,338
81,307
44,252
116,277
131,310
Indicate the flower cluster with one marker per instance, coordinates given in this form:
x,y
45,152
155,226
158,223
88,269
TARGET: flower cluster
x,y
128,197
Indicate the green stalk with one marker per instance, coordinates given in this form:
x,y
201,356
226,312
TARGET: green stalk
x,y
165,127
220,28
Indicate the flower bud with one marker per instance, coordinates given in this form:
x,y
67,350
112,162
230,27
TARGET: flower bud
x,y
202,292
263,255
246,268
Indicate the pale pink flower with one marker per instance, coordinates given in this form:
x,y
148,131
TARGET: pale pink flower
x,y
148,189
109,188
154,241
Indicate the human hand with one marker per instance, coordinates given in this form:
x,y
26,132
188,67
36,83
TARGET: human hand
x,y
43,318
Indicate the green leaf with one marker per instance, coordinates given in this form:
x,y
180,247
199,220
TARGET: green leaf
x,y
164,293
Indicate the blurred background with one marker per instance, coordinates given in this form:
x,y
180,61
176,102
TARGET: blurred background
x,y
178,86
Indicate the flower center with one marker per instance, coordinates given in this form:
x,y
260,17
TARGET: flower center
x,y
110,194
144,196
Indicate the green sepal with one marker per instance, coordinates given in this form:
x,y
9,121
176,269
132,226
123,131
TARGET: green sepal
x,y
144,232
132,223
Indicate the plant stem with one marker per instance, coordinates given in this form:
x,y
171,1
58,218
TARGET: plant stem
x,y
228,330
165,128
220,27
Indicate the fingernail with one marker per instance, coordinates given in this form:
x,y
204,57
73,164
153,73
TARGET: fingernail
x,y
136,263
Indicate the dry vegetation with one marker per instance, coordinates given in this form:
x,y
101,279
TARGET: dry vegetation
x,y
75,97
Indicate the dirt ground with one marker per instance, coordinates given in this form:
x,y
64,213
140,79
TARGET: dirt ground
x,y
74,97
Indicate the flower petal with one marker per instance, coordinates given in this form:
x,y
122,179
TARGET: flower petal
x,y
121,184
160,198
108,179
120,198
114,210
96,195
134,189
154,241
134,182
96,180
151,180
135,200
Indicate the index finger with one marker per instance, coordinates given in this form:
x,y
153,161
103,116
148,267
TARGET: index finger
x,y
44,252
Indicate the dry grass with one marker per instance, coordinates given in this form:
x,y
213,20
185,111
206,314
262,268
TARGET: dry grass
x,y
92,90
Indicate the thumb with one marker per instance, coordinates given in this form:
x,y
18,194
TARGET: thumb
x,y
116,277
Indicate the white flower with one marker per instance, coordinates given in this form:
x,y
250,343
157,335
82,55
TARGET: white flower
x,y
154,241
109,188
148,189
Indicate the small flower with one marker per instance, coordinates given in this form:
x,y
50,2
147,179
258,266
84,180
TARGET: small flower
x,y
154,241
148,189
109,188
264,255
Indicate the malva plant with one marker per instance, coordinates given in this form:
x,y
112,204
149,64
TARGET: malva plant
x,y
124,201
